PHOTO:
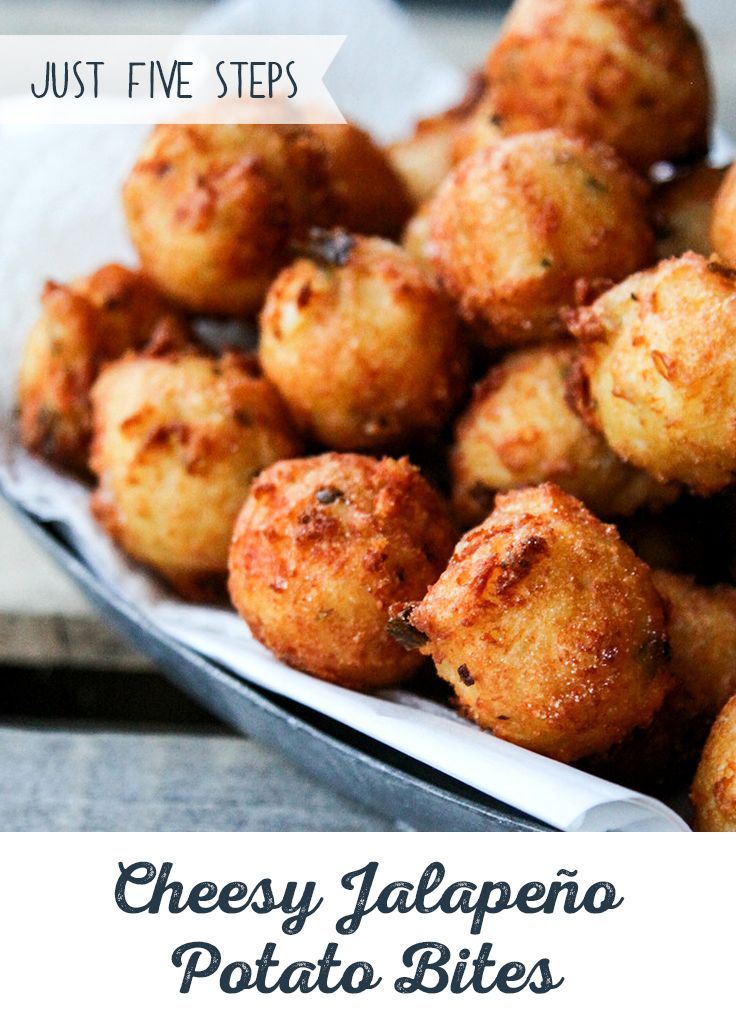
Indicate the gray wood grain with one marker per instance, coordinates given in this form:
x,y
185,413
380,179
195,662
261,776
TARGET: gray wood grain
x,y
82,780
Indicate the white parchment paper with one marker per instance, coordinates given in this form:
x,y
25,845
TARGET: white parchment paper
x,y
61,217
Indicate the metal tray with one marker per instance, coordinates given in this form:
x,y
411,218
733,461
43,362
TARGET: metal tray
x,y
365,770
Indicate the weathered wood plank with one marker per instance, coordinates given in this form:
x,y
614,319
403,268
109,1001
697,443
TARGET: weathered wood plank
x,y
62,780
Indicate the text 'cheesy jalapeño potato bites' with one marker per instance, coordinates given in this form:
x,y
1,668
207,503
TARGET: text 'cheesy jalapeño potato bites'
x,y
659,371
322,548
361,344
177,441
628,72
83,325
548,627
521,230
714,789
520,430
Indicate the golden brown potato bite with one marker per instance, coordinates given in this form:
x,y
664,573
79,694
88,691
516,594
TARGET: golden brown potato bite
x,y
212,208
425,158
366,194
520,430
83,325
723,222
714,791
659,371
528,226
682,210
483,127
701,623
361,344
658,759
322,548
702,631
628,72
177,441
415,238
548,627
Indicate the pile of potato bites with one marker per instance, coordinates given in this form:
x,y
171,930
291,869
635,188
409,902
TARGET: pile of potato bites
x,y
534,299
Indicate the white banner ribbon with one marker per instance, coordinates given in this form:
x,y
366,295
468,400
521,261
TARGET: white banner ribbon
x,y
197,79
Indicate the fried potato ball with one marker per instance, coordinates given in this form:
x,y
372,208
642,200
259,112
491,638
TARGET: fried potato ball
x,y
683,209
425,158
723,222
659,371
482,128
322,548
211,209
701,622
714,790
548,627
177,441
524,228
659,759
415,238
367,195
83,325
702,630
361,344
628,72
520,430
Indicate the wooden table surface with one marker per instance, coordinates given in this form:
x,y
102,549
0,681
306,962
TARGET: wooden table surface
x,y
70,778
67,778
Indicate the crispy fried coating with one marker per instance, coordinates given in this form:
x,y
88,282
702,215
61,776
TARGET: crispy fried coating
x,y
702,630
321,550
631,73
723,222
533,224
177,441
362,345
713,792
415,238
367,195
701,623
548,627
480,129
683,209
425,158
211,209
83,325
659,759
520,430
659,371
